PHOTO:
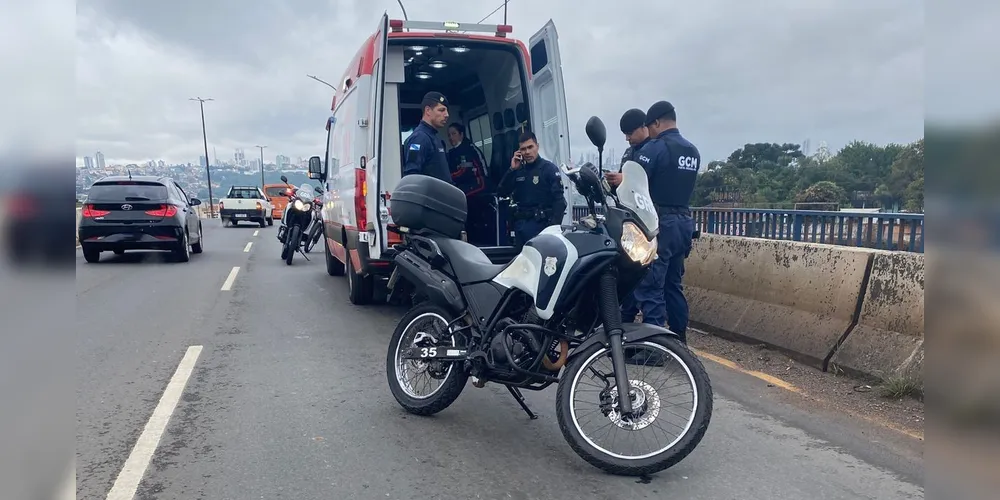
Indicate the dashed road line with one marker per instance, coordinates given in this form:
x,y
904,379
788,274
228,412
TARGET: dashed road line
x,y
228,285
256,232
135,466
247,248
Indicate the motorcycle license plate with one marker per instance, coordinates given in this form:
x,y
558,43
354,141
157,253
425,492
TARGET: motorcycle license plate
x,y
241,215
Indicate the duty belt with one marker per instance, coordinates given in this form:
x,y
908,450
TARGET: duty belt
x,y
662,210
529,213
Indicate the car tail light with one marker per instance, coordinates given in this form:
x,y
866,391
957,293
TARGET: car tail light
x,y
360,195
89,211
220,205
19,206
163,211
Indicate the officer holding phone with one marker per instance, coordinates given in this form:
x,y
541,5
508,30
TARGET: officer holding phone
x,y
535,187
671,163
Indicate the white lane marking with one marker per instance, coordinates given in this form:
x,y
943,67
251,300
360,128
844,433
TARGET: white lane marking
x,y
68,489
228,285
135,467
256,232
247,248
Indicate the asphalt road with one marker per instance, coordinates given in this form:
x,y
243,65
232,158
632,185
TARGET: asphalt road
x,y
288,399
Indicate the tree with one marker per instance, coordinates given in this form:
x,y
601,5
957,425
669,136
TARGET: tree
x,y
779,175
752,156
825,192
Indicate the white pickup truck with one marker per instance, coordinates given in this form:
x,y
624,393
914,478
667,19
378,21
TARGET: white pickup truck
x,y
246,204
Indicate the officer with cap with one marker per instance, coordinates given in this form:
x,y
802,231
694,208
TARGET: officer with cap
x,y
671,163
633,125
424,151
535,187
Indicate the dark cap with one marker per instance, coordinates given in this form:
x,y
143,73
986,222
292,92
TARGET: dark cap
x,y
658,110
433,99
631,120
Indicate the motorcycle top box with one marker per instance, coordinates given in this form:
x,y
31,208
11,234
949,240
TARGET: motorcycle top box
x,y
421,202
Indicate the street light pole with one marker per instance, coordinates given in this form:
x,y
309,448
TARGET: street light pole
x,y
321,81
261,148
208,161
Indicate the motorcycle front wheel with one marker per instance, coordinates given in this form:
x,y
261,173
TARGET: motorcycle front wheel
x,y
292,243
426,325
680,407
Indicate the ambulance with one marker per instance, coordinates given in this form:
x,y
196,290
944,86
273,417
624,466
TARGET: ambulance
x,y
496,86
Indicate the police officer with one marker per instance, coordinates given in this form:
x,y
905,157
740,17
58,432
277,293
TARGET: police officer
x,y
535,187
633,125
468,171
671,163
424,150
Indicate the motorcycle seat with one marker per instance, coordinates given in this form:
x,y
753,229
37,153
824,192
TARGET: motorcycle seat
x,y
469,263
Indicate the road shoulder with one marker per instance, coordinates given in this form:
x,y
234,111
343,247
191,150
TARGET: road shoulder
x,y
841,410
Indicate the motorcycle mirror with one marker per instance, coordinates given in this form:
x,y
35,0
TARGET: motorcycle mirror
x,y
284,179
597,133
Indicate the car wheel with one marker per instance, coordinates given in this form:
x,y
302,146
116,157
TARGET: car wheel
x,y
91,255
198,247
183,252
270,221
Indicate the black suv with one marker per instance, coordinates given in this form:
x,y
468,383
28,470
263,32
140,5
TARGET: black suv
x,y
139,213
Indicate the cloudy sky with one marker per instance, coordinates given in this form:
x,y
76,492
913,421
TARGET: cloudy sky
x,y
738,72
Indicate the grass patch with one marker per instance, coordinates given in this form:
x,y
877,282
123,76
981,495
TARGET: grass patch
x,y
899,388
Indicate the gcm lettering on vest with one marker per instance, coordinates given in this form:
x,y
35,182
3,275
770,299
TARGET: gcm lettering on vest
x,y
688,163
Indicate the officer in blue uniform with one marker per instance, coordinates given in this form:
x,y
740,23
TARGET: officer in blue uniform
x,y
671,163
535,187
424,151
633,125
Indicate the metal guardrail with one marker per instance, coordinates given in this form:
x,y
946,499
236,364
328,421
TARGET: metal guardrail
x,y
885,231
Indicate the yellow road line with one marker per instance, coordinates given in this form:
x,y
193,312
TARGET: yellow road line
x,y
777,382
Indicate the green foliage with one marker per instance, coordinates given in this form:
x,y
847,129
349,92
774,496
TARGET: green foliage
x,y
780,175
228,179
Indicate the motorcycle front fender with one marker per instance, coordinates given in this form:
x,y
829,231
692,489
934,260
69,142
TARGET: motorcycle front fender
x,y
633,332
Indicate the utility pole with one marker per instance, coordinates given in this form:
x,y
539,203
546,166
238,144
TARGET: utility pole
x,y
208,163
261,148
321,81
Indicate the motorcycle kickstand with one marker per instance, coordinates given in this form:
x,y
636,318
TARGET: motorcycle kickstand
x,y
304,256
514,391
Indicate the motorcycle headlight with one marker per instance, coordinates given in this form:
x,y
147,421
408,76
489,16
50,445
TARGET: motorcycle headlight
x,y
636,246
298,205
306,206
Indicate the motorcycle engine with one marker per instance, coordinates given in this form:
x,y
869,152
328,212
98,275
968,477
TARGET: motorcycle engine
x,y
524,345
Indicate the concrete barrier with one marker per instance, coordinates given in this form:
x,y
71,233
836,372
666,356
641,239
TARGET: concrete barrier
x,y
798,297
888,340
854,308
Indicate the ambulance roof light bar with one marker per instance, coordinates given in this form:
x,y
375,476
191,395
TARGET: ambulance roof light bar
x,y
500,30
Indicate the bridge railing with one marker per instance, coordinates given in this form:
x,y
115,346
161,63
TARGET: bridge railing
x,y
885,231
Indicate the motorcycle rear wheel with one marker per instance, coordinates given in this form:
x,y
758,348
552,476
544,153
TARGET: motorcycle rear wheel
x,y
671,350
455,376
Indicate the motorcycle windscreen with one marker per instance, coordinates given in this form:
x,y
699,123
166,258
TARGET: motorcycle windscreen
x,y
633,193
306,196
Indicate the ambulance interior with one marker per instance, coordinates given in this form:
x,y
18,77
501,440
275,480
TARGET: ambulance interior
x,y
486,91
